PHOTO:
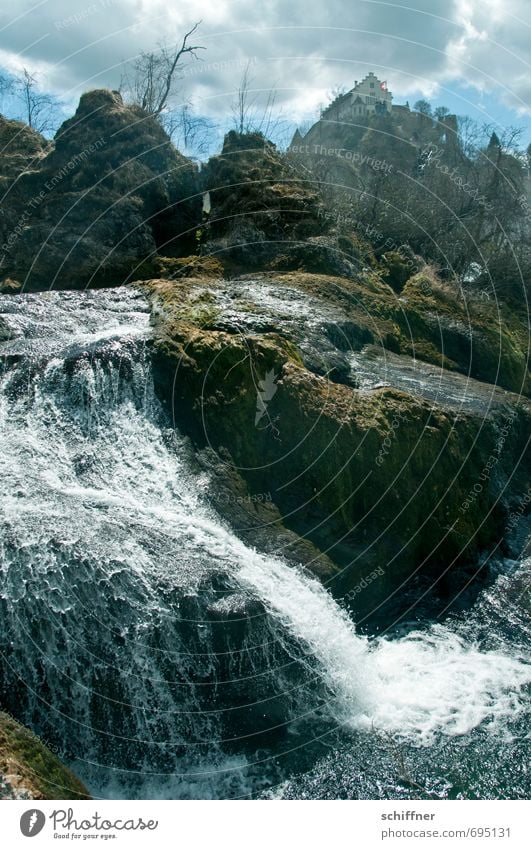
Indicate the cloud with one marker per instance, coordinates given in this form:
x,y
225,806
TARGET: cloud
x,y
493,50
302,49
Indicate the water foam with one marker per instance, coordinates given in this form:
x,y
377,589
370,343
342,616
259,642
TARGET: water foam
x,y
430,682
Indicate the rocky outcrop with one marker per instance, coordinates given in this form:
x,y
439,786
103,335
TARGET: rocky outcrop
x,y
374,475
268,215
428,320
31,770
265,216
21,150
96,209
301,372
252,196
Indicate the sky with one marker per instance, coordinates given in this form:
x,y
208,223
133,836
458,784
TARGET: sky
x,y
471,55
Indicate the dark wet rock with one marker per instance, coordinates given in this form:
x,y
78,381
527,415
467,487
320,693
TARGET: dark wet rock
x,y
347,335
256,519
254,708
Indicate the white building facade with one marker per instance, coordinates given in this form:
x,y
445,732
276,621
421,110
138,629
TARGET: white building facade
x,y
368,97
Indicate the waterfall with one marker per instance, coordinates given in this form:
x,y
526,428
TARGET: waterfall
x,y
137,630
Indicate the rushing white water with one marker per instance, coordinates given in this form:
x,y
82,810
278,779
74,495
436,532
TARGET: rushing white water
x,y
110,558
430,681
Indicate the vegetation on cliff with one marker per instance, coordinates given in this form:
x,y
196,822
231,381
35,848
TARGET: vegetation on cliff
x,y
30,770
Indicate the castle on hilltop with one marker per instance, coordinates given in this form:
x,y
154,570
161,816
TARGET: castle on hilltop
x,y
350,114
368,97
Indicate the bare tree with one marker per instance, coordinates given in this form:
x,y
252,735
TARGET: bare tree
x,y
247,113
151,82
244,103
336,92
440,112
7,85
186,129
41,111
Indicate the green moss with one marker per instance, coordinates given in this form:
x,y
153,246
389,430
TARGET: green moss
x,y
188,266
31,769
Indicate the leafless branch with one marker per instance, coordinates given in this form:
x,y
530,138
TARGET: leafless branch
x,y
150,82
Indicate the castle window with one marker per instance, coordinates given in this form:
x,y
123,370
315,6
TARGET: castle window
x,y
372,85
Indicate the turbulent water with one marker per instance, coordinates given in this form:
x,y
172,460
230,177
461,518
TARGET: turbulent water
x,y
163,657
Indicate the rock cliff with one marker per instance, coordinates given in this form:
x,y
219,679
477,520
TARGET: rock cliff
x,y
93,207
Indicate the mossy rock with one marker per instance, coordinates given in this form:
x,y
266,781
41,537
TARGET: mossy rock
x,y
396,270
432,321
31,770
110,192
318,448
189,266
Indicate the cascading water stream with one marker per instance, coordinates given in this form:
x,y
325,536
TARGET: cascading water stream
x,y
137,629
